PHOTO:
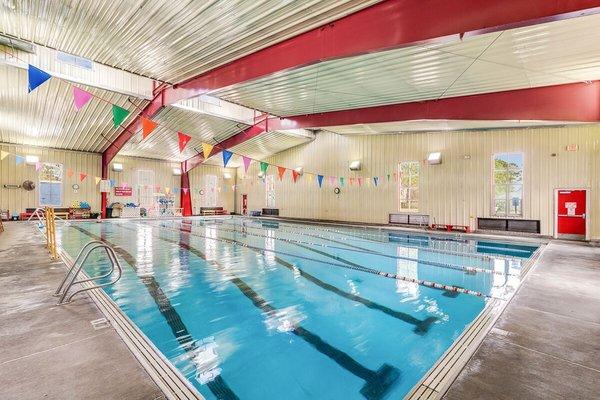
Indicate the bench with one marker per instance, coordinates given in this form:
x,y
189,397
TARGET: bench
x,y
450,227
212,211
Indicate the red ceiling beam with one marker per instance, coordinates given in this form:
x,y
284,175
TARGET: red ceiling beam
x,y
577,102
387,25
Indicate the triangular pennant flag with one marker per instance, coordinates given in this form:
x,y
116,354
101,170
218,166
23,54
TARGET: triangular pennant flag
x,y
113,183
183,140
226,157
82,176
359,181
280,171
395,177
341,181
167,190
310,177
124,184
175,190
206,150
80,97
263,167
294,175
185,190
19,159
247,161
147,127
351,181
375,180
3,154
388,177
69,173
320,180
332,180
157,188
38,166
119,115
97,179
36,77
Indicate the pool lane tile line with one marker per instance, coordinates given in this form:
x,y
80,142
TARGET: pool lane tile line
x,y
467,270
357,267
218,386
377,383
421,326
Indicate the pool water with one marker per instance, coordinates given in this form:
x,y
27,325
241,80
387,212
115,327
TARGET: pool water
x,y
259,309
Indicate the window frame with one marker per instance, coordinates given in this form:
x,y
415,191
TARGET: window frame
x,y
506,214
410,209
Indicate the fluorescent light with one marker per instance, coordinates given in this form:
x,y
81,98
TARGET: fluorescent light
x,y
227,175
117,167
176,171
32,159
434,158
355,165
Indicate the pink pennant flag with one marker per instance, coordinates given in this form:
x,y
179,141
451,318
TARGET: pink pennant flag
x,y
247,161
157,188
38,165
80,97
332,180
124,184
359,181
185,190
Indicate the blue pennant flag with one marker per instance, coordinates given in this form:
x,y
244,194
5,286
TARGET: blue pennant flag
x,y
112,183
36,77
376,180
226,157
320,180
19,160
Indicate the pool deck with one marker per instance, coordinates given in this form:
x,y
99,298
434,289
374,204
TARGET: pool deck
x,y
546,344
54,352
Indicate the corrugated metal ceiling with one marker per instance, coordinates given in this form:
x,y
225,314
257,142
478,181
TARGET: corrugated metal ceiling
x,y
47,117
167,40
540,55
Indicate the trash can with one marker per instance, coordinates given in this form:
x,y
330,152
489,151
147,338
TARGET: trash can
x,y
109,212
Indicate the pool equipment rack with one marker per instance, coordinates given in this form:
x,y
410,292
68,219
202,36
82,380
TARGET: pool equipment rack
x,y
75,270
50,232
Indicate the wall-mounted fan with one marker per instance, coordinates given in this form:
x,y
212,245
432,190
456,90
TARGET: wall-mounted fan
x,y
28,185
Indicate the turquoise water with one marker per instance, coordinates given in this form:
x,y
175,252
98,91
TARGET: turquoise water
x,y
255,309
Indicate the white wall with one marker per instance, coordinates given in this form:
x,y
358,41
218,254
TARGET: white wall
x,y
457,191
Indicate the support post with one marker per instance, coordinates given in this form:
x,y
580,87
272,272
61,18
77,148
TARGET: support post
x,y
185,195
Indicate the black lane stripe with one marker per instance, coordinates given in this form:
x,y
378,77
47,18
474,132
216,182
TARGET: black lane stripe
x,y
421,326
377,383
217,386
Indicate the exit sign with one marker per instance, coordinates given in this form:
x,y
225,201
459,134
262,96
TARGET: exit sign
x,y
572,147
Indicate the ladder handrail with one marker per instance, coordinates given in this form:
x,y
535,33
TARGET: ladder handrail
x,y
90,246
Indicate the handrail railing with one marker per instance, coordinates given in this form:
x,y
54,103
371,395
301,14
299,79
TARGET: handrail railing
x,y
77,266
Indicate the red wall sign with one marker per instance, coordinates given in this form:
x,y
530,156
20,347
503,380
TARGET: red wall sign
x,y
123,191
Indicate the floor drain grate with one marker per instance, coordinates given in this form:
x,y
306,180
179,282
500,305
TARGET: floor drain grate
x,y
100,323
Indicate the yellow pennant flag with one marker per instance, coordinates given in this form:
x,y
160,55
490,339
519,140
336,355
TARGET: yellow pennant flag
x,y
3,154
207,149
167,190
98,179
311,177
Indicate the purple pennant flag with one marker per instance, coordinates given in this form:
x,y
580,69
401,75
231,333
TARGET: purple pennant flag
x,y
247,161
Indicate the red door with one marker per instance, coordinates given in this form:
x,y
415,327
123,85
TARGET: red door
x,y
244,204
571,212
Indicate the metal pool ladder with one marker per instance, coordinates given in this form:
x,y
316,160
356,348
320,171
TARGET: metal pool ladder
x,y
77,266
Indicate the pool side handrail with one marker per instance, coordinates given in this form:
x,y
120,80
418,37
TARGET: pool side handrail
x,y
77,266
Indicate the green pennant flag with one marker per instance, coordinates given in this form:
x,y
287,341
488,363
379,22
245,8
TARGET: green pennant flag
x,y
119,115
388,176
263,167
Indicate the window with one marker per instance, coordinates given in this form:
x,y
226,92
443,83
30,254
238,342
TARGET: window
x,y
146,188
408,186
210,190
507,190
270,190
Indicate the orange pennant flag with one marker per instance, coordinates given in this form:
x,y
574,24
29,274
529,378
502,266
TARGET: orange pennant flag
x,y
294,175
147,127
281,172
69,173
82,176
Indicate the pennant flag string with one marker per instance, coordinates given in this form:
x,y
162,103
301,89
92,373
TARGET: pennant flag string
x,y
281,172
119,115
183,140
147,127
80,97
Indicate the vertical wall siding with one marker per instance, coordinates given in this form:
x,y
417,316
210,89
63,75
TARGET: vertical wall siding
x,y
457,191
226,195
17,200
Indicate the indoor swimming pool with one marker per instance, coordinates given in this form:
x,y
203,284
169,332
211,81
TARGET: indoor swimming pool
x,y
254,308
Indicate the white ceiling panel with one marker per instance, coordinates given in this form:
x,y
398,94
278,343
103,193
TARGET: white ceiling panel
x,y
167,40
546,54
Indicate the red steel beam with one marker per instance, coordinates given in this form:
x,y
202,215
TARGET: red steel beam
x,y
387,25
577,102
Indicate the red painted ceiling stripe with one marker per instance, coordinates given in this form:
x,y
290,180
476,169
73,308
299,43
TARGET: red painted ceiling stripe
x,y
571,102
383,26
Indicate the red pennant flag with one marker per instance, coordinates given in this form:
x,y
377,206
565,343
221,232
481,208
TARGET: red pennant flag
x,y
359,181
351,181
294,175
69,173
183,140
157,188
147,127
281,171
82,176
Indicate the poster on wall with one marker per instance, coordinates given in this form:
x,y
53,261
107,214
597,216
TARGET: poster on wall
x,y
50,179
123,191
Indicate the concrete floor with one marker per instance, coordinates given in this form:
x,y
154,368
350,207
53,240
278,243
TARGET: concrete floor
x,y
53,352
546,344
